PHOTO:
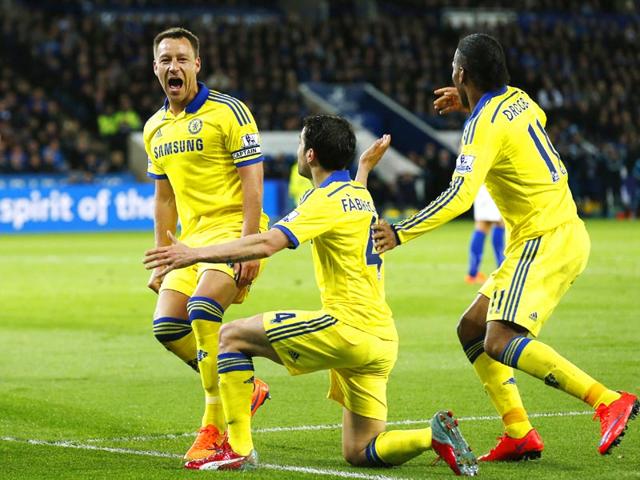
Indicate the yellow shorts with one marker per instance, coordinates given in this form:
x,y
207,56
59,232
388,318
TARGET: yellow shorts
x,y
359,363
535,275
185,280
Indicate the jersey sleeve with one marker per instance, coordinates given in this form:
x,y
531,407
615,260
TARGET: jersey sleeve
x,y
154,170
476,157
242,136
314,216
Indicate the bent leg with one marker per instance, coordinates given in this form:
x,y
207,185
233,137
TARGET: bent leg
x,y
497,379
366,443
508,344
240,340
172,328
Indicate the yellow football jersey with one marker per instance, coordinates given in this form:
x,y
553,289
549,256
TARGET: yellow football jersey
x,y
199,151
337,217
504,144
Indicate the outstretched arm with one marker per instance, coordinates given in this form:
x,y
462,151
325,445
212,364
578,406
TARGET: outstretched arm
x,y
251,247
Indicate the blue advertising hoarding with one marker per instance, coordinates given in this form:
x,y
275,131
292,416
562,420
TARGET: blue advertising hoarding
x,y
100,207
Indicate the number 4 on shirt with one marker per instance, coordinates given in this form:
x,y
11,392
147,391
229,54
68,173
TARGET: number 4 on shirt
x,y
373,258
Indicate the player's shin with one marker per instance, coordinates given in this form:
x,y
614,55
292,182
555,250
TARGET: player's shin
x,y
500,385
177,337
543,362
205,315
236,387
397,447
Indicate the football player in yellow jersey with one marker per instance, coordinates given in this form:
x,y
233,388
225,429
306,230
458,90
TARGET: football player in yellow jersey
x,y
505,145
204,154
353,335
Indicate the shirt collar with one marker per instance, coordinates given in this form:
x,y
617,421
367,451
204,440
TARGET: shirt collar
x,y
337,176
484,99
197,102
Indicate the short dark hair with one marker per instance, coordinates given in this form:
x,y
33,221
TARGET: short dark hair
x,y
483,60
332,140
178,32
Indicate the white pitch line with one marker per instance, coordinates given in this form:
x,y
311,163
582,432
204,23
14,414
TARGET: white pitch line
x,y
334,426
152,453
80,446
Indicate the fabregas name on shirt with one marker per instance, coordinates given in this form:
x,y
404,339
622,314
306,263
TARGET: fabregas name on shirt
x,y
349,204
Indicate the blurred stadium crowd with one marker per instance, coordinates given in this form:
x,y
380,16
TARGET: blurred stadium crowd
x,y
75,81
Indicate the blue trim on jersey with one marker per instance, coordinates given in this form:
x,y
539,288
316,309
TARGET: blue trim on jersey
x,y
155,176
336,176
292,238
200,98
500,104
434,207
251,161
242,117
473,129
543,153
484,99
355,187
197,102
549,144
236,102
230,105
306,195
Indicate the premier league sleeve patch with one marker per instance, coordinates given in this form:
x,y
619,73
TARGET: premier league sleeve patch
x,y
290,216
464,163
250,146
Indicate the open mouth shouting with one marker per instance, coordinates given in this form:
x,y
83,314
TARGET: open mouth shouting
x,y
174,85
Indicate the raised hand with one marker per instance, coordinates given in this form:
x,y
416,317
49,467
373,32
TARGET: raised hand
x,y
371,156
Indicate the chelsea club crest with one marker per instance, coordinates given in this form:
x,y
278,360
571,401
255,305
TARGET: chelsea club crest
x,y
195,125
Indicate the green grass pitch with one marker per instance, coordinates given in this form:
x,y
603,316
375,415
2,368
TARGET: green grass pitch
x,y
87,392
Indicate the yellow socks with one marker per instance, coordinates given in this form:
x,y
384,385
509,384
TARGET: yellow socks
x,y
177,337
397,446
598,394
236,388
543,362
205,315
500,384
